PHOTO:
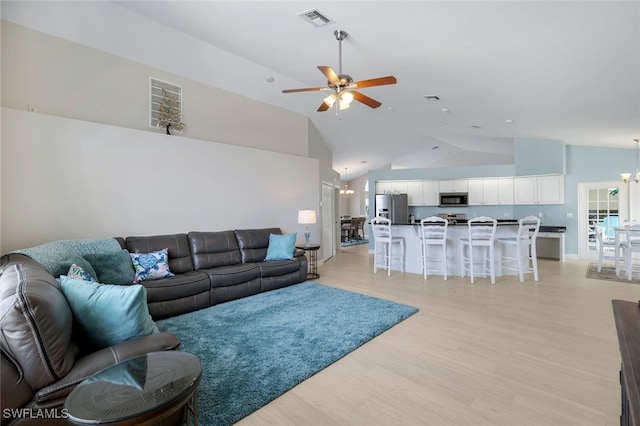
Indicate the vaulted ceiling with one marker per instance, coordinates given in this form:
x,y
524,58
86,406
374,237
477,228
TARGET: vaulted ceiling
x,y
567,70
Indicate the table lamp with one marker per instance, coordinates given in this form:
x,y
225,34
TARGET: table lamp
x,y
306,217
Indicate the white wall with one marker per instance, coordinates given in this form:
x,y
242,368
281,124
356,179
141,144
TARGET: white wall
x,y
54,76
64,178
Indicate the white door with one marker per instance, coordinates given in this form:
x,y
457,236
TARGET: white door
x,y
328,219
605,202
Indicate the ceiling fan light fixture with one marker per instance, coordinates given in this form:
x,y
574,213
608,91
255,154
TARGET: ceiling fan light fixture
x,y
343,86
345,100
331,99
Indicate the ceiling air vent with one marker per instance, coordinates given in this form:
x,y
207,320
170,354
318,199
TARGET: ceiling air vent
x,y
315,17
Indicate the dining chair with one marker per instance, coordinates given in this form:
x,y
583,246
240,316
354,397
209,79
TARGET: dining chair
x,y
481,234
519,253
433,232
360,228
630,246
383,243
349,229
606,247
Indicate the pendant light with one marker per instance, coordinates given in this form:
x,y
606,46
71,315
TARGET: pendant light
x,y
346,192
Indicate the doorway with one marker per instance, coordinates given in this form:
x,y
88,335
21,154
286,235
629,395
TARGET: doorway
x,y
328,220
602,202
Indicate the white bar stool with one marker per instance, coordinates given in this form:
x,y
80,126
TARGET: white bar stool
x,y
523,247
482,234
382,238
433,232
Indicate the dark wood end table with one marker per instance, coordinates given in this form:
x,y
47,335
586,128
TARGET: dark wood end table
x,y
140,391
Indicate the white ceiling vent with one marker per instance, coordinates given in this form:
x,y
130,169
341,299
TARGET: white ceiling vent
x,y
315,17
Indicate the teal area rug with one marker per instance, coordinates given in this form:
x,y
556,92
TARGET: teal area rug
x,y
353,243
256,348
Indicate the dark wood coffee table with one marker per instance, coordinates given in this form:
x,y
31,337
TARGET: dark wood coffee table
x,y
139,391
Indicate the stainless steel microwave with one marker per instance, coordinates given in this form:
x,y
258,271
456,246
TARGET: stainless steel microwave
x,y
454,199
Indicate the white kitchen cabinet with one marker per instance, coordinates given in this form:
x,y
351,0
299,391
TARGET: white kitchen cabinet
x,y
539,189
423,193
414,192
383,187
399,186
476,192
454,185
492,191
505,191
430,193
551,189
391,187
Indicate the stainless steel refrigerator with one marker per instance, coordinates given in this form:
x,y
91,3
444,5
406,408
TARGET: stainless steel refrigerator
x,y
394,207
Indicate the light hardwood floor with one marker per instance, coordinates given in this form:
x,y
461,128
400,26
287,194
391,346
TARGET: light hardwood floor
x,y
542,353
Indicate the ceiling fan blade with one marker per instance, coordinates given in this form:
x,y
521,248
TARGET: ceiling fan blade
x,y
365,99
328,72
323,106
380,81
306,89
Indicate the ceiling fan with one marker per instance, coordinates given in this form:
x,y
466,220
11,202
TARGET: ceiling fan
x,y
343,85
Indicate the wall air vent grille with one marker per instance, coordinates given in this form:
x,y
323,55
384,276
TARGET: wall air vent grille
x,y
155,96
315,17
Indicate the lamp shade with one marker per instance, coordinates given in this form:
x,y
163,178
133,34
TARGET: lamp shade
x,y
306,217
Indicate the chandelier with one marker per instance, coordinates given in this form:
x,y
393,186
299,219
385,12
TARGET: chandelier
x,y
346,192
627,176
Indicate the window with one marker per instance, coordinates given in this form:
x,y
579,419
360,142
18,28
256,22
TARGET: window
x,y
155,96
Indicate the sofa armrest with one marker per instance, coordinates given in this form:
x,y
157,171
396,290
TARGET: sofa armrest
x,y
15,392
99,360
298,252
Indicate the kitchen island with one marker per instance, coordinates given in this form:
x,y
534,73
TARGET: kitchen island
x,y
455,232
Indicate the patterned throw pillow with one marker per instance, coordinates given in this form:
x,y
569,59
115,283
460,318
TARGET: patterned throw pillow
x,y
151,266
76,271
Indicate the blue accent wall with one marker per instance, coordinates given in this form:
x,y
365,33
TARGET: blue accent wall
x,y
539,157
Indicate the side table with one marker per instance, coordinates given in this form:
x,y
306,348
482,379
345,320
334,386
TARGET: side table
x,y
144,390
312,272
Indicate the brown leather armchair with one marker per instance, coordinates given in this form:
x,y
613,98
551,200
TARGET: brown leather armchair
x,y
42,360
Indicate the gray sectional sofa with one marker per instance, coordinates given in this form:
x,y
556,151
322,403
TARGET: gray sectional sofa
x,y
43,359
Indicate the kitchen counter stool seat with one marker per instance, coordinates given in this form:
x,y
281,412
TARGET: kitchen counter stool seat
x,y
481,234
523,247
383,246
433,233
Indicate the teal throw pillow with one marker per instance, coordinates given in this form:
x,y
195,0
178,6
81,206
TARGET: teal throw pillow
x,y
108,314
151,266
112,268
281,246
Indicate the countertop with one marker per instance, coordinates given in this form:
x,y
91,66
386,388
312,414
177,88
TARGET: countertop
x,y
501,222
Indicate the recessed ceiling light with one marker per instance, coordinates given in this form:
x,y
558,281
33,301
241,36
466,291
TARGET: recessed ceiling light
x,y
431,97
270,79
435,147
363,161
444,109
508,121
475,126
